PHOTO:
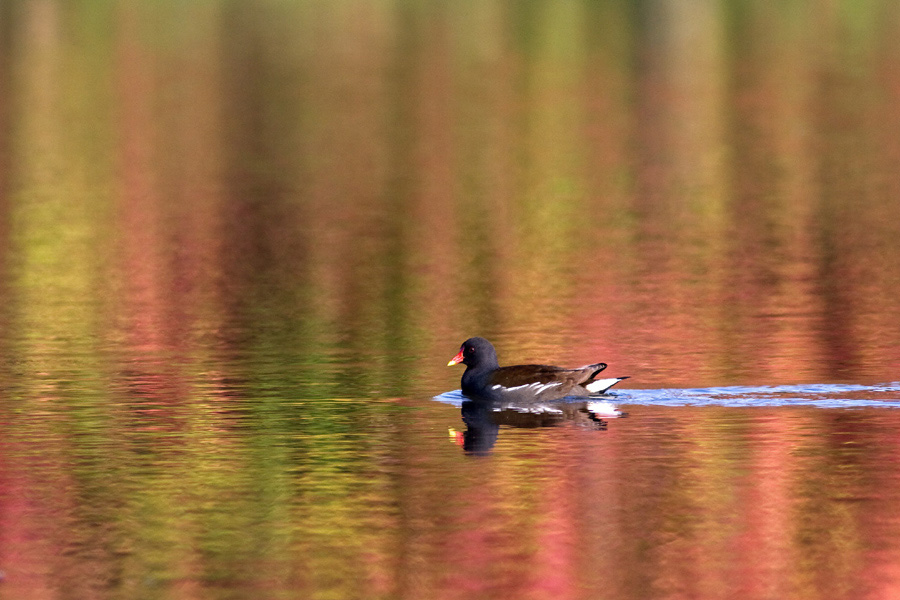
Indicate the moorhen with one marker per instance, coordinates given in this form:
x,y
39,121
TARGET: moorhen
x,y
486,379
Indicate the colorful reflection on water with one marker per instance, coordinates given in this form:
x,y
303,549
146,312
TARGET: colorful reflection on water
x,y
239,242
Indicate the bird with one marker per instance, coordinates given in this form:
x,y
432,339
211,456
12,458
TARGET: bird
x,y
484,378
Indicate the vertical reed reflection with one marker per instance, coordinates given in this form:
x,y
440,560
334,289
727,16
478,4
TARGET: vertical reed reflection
x,y
6,150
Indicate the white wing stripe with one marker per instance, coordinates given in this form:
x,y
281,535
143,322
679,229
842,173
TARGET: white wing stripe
x,y
537,386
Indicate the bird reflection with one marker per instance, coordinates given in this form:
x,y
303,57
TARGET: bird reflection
x,y
484,416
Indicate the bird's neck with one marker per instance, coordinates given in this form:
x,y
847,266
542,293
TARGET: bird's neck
x,y
476,377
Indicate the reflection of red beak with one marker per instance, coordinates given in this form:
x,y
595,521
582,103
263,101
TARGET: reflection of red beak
x,y
456,359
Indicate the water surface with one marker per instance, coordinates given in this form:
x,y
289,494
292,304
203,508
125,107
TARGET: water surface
x,y
239,242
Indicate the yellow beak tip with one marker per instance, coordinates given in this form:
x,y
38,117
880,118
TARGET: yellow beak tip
x,y
451,363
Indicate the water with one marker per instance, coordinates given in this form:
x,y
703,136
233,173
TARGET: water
x,y
238,245
822,395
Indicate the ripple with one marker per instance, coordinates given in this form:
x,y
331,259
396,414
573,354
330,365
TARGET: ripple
x,y
821,395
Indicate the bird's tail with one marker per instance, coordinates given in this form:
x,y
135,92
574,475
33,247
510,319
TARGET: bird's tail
x,y
600,386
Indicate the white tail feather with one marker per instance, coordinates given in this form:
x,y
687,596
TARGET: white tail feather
x,y
598,386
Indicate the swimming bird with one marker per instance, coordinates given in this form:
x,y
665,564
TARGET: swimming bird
x,y
485,378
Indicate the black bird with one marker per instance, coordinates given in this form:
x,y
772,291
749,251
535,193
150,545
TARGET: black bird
x,y
485,378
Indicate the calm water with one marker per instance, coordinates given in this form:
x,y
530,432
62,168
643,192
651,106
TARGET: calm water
x,y
240,241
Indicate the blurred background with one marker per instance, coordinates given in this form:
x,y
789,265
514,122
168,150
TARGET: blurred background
x,y
239,242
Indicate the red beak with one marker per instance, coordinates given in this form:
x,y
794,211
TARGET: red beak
x,y
456,359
